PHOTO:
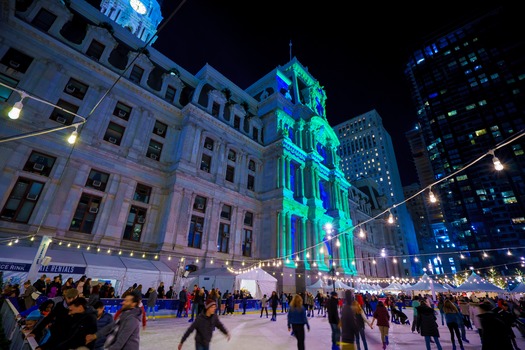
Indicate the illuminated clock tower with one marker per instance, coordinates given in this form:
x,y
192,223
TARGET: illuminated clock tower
x,y
141,17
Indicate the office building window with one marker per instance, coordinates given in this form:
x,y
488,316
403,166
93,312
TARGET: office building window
x,y
86,213
22,201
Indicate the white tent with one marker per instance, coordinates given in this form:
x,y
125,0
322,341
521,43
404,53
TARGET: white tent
x,y
426,283
104,267
317,286
394,287
475,283
341,285
257,281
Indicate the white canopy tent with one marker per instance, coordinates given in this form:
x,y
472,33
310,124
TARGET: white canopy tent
x,y
427,284
105,267
475,283
317,286
341,285
257,281
394,287
263,282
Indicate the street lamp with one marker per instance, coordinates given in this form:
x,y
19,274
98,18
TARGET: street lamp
x,y
329,229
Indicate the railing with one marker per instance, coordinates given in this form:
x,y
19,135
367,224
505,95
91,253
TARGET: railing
x,y
12,330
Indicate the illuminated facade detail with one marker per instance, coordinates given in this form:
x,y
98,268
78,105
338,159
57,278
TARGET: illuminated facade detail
x,y
139,17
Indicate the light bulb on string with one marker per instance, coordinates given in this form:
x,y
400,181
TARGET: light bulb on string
x,y
143,255
297,257
509,252
337,243
307,254
169,258
321,250
98,249
16,240
390,217
362,233
32,238
156,257
109,251
88,247
14,113
73,137
431,196
497,164
197,260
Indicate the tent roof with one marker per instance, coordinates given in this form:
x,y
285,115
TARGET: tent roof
x,y
257,274
317,285
213,271
475,283
426,283
341,285
104,260
520,288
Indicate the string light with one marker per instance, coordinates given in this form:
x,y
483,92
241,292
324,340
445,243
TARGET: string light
x,y
431,196
362,233
73,137
497,164
14,113
390,217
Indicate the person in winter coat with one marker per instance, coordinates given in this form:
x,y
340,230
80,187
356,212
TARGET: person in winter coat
x,y
453,319
361,320
204,325
332,308
27,297
509,319
81,322
104,320
264,305
494,334
427,323
382,317
274,302
160,291
415,304
349,330
125,333
297,319
152,301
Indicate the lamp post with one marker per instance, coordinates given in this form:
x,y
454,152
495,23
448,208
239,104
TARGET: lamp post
x,y
329,229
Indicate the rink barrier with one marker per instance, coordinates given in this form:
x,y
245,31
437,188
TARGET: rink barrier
x,y
12,329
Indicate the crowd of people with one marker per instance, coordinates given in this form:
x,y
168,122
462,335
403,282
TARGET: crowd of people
x,y
71,315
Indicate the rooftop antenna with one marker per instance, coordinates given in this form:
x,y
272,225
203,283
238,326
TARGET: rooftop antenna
x,y
290,49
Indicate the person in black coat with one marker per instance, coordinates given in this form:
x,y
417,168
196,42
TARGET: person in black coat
x,y
427,323
332,308
495,334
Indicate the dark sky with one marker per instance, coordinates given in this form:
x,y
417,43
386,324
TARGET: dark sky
x,y
357,51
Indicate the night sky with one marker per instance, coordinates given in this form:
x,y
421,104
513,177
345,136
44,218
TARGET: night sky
x,y
357,51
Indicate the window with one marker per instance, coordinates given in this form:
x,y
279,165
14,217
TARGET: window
x,y
44,20
22,201
247,243
114,133
223,238
142,193
170,94
236,122
64,117
246,127
195,233
154,150
251,165
5,93
76,89
226,212
255,134
199,204
97,180
122,111
17,60
251,183
39,163
232,155
208,144
230,173
95,50
135,223
86,213
248,219
215,109
160,129
136,74
206,163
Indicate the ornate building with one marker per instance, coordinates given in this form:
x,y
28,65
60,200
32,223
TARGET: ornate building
x,y
167,164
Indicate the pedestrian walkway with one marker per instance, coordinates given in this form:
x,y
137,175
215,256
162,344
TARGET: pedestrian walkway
x,y
254,333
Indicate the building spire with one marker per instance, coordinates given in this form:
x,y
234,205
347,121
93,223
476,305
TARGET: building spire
x,y
290,49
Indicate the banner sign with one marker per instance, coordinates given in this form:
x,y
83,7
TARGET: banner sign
x,y
59,269
19,267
